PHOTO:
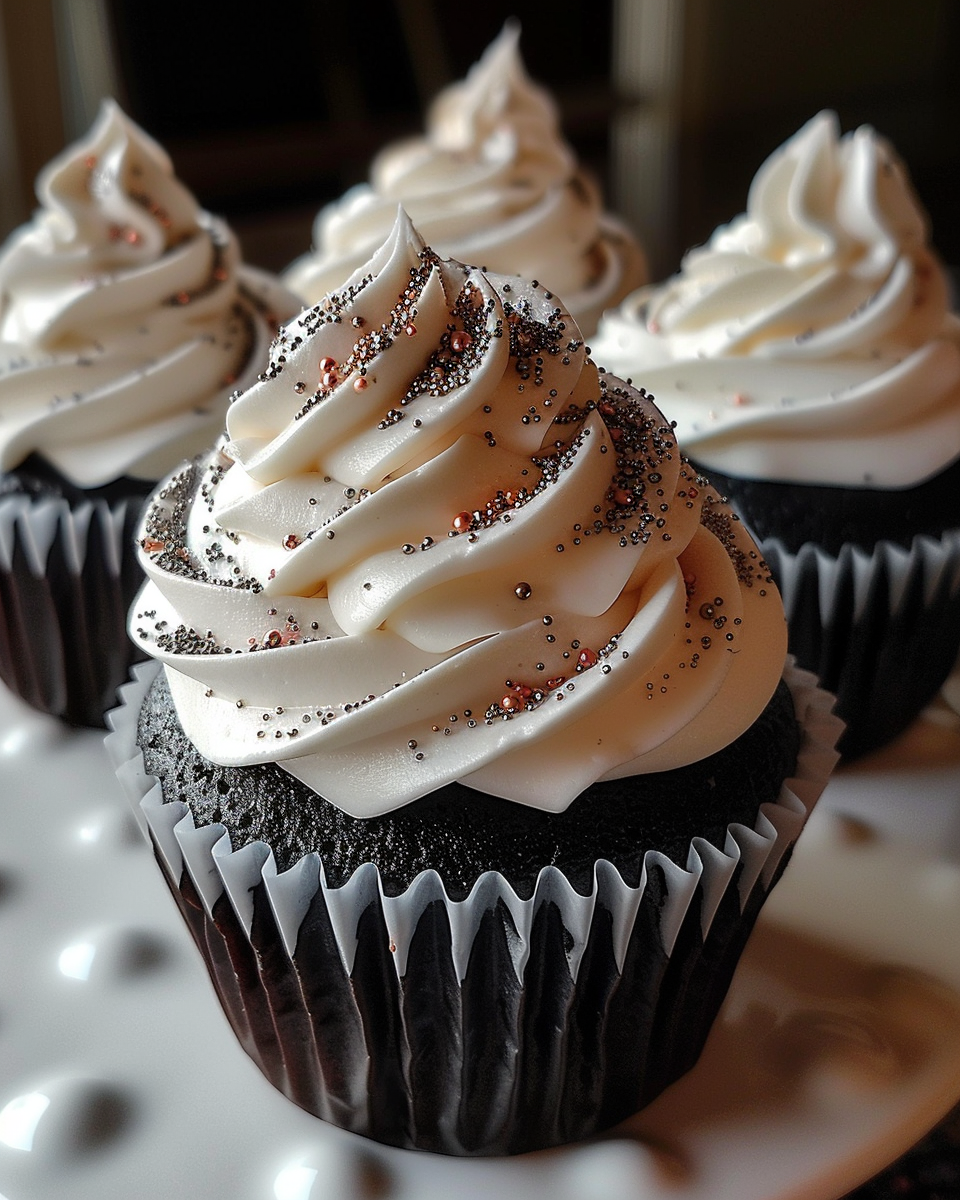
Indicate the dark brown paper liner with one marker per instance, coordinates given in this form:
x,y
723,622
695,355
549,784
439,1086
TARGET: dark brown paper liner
x,y
493,1025
68,575
881,630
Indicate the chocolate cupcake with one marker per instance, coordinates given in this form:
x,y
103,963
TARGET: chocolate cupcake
x,y
472,758
126,321
810,360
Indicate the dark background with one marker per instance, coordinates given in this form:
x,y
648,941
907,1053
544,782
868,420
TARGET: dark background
x,y
269,111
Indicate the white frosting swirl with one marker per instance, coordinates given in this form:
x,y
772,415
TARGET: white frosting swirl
x,y
126,320
463,554
491,183
810,339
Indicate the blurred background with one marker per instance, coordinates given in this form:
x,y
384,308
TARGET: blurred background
x,y
270,112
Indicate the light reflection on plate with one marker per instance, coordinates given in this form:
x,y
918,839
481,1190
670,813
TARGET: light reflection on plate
x,y
839,1044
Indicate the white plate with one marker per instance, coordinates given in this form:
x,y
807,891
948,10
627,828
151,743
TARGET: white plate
x,y
838,1047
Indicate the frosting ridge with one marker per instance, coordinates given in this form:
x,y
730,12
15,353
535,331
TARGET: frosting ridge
x,y
810,339
436,543
492,182
126,317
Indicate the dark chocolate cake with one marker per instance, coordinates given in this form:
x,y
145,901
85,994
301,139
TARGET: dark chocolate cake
x,y
460,832
832,517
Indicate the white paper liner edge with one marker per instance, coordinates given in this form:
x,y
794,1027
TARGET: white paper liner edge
x,y
215,868
40,522
937,556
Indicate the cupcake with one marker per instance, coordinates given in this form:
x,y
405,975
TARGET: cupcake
x,y
472,757
810,360
126,321
492,182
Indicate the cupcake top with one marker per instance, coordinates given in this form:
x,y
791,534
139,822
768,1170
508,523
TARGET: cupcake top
x,y
810,339
440,545
126,318
492,183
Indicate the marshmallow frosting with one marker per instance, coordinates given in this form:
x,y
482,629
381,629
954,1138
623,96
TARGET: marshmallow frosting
x,y
491,183
126,318
440,545
810,339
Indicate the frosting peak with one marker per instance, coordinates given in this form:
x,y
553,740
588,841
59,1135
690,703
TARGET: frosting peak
x,y
809,339
492,182
498,97
126,318
440,545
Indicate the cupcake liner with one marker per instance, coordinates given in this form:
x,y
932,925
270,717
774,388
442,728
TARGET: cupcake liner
x,y
490,1025
881,630
68,576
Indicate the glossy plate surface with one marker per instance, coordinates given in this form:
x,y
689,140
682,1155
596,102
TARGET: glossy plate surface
x,y
839,1044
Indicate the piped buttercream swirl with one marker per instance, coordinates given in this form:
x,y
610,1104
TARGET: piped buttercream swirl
x,y
440,545
810,339
126,317
493,183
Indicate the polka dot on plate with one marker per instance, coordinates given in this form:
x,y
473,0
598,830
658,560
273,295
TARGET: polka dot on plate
x,y
111,828
332,1171
63,1119
115,955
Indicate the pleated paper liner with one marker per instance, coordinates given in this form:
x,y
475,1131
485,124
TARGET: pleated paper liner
x,y
881,630
492,1025
68,575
